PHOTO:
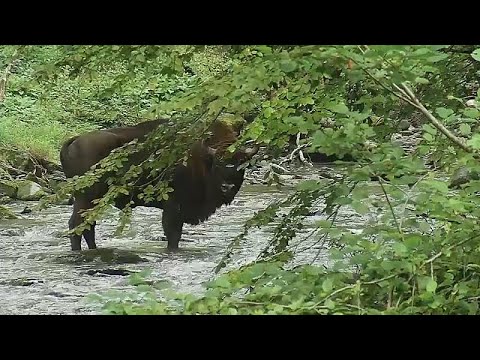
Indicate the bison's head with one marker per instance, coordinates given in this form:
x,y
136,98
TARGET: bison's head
x,y
232,172
227,172
215,167
212,176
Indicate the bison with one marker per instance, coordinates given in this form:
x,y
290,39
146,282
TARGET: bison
x,y
200,186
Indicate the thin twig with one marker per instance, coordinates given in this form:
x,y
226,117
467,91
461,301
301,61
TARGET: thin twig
x,y
408,196
389,301
380,180
278,167
297,149
398,301
378,82
407,95
433,258
373,282
434,120
337,292
413,291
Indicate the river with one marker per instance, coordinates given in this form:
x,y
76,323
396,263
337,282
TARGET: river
x,y
40,275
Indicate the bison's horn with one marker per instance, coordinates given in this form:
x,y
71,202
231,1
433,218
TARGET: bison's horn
x,y
211,151
250,151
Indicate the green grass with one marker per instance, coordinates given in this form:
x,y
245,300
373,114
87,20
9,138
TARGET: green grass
x,y
41,138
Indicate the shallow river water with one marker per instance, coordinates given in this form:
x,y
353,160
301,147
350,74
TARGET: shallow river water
x,y
40,275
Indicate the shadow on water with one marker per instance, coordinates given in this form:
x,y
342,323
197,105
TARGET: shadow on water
x,y
40,275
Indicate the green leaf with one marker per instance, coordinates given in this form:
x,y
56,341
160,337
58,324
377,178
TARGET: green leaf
x,y
288,66
436,58
232,311
471,113
264,49
443,112
306,101
441,186
162,284
465,129
421,80
412,241
329,303
474,142
327,285
343,200
431,285
360,193
463,288
268,112
336,254
429,129
294,120
400,249
388,265
308,185
360,207
476,54
424,226
428,137
339,108
223,282
451,97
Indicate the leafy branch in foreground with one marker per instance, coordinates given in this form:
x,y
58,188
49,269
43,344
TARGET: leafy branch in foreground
x,y
396,238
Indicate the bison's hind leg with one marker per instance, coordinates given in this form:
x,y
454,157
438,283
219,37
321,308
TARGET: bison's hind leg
x,y
75,220
89,236
75,240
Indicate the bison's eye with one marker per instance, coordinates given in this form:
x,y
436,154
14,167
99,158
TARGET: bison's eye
x,y
227,187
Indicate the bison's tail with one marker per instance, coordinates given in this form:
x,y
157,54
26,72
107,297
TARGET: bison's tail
x,y
64,152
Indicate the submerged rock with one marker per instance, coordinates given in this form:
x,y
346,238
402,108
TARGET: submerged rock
x,y
120,272
110,256
403,125
21,282
12,232
462,176
26,210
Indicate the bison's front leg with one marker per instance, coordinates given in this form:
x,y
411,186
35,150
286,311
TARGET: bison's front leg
x,y
172,225
89,236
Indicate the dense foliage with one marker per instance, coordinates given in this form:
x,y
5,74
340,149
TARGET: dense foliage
x,y
419,250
